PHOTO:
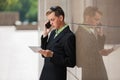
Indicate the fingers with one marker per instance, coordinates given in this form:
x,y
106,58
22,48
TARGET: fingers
x,y
42,52
103,52
106,52
46,53
100,31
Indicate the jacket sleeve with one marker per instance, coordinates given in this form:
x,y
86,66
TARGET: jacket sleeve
x,y
101,41
44,42
69,60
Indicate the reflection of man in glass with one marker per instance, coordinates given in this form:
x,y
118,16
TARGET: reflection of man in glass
x,y
90,46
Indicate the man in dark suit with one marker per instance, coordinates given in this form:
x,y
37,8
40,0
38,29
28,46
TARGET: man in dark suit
x,y
58,48
90,46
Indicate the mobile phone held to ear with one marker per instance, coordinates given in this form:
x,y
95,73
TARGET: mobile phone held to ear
x,y
48,25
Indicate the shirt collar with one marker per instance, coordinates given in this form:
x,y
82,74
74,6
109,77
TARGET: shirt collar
x,y
87,28
61,29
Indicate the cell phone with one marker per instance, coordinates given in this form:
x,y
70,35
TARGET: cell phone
x,y
48,25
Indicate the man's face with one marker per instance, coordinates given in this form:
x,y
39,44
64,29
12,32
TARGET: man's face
x,y
54,20
94,20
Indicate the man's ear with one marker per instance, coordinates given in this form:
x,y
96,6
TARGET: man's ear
x,y
61,18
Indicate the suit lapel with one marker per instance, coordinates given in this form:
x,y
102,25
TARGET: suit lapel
x,y
53,40
89,33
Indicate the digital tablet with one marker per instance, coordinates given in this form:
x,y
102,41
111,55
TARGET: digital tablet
x,y
115,47
35,48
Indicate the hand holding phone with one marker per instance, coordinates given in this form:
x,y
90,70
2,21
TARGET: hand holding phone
x,y
48,25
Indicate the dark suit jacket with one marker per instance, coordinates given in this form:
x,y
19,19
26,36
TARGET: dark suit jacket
x,y
88,57
64,49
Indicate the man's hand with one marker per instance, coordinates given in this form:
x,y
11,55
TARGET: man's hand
x,y
100,31
106,52
46,53
46,30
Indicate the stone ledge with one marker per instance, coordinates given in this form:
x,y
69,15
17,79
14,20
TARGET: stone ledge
x,y
26,27
8,18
